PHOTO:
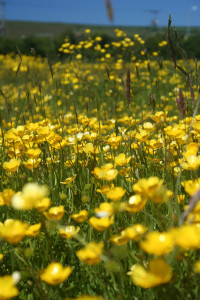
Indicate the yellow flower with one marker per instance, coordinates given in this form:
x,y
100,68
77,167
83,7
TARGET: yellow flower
x,y
33,230
81,216
33,153
19,130
104,189
2,203
124,172
191,149
142,136
110,175
136,203
155,53
33,195
105,209
6,196
147,187
10,135
69,231
174,132
121,160
18,202
98,38
116,193
101,224
134,232
55,273
43,131
13,231
12,166
1,256
105,172
114,141
79,56
154,144
7,287
121,239
159,272
197,266
55,213
191,186
89,148
181,199
192,163
149,127
69,180
32,126
157,243
91,254
161,195
187,236
43,204
152,188
32,163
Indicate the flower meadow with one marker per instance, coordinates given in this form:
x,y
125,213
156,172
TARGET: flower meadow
x,y
100,180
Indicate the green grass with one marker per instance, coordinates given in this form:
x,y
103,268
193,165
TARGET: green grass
x,y
17,29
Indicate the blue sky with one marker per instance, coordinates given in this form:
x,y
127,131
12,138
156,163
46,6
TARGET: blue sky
x,y
93,12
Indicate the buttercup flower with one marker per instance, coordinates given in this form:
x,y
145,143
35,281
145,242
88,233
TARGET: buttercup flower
x,y
32,163
6,196
69,180
158,272
134,232
32,196
147,187
33,153
12,166
101,224
114,141
197,266
91,254
105,173
191,186
136,203
157,243
121,239
192,163
105,209
89,148
55,273
13,231
80,217
33,230
8,289
55,213
116,193
187,236
121,160
152,188
69,231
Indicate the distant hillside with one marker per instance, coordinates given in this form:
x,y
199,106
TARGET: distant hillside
x,y
18,29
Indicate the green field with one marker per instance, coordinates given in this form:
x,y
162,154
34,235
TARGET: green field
x,y
16,29
99,166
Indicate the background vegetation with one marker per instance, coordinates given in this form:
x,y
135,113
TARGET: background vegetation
x,y
46,38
